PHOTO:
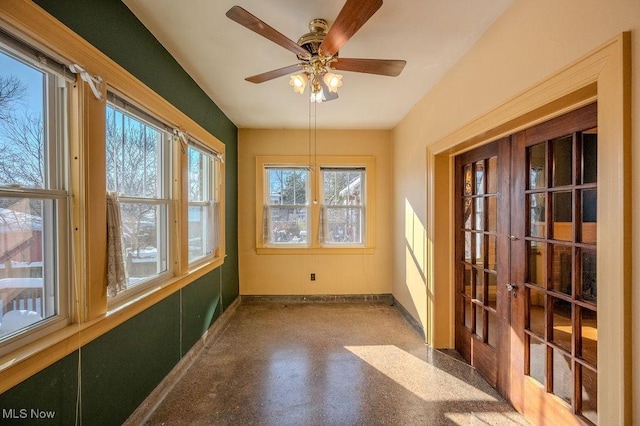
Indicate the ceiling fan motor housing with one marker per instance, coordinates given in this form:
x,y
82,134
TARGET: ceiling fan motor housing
x,y
311,41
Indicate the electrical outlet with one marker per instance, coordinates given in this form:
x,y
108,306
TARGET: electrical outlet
x,y
313,277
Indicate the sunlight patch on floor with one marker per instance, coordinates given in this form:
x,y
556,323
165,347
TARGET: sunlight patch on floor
x,y
417,376
486,418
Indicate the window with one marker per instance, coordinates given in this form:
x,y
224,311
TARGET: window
x,y
318,208
61,148
343,205
139,171
286,209
203,214
34,200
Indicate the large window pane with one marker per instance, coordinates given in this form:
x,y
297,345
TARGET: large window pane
x,y
33,197
201,224
288,212
343,204
138,171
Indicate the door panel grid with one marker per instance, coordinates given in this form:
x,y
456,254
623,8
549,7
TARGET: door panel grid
x,y
526,278
561,297
479,262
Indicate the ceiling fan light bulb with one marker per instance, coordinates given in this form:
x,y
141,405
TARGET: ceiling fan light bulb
x,y
318,97
299,82
333,81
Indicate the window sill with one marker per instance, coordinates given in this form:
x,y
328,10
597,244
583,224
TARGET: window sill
x,y
28,360
315,250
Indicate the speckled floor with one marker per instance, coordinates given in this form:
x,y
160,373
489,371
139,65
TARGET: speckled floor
x,y
328,364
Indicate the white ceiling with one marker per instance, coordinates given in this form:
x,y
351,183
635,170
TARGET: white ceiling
x,y
218,53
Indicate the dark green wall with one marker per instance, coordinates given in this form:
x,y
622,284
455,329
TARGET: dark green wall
x,y
119,369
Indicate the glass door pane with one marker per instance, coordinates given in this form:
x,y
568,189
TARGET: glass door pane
x,y
560,307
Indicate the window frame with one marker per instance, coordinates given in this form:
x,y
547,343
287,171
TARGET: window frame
x,y
315,164
163,199
267,205
213,190
362,206
56,257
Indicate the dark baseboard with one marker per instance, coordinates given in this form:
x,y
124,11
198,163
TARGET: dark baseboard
x,y
320,298
414,323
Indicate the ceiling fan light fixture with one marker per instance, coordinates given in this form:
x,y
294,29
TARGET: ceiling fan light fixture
x,y
318,97
333,81
299,82
317,94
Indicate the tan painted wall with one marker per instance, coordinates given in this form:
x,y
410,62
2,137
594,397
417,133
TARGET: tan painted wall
x,y
268,274
529,42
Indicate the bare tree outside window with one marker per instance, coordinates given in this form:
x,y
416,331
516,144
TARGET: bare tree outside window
x,y
135,152
32,192
12,90
201,213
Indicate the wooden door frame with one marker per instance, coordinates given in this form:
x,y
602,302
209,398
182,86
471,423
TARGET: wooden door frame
x,y
603,76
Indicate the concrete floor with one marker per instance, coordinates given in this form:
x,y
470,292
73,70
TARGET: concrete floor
x,y
328,364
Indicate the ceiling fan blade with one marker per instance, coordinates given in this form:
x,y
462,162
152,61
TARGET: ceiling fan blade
x,y
246,19
353,15
270,75
388,67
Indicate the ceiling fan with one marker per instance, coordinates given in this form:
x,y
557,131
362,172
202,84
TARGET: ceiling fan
x,y
317,51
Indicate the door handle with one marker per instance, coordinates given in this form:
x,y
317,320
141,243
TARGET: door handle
x,y
513,288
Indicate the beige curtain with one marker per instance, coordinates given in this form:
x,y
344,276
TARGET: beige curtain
x,y
116,269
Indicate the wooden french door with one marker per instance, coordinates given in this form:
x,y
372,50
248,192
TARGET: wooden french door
x,y
482,304
554,205
526,247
